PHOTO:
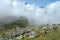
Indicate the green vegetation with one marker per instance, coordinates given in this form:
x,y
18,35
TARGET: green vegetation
x,y
52,35
21,23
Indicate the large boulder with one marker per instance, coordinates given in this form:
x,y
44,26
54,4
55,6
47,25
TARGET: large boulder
x,y
33,34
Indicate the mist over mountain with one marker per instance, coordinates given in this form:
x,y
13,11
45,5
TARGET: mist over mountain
x,y
12,10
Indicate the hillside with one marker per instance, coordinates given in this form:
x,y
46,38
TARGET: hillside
x,y
14,31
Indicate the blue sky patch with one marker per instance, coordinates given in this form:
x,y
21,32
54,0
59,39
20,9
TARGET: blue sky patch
x,y
39,2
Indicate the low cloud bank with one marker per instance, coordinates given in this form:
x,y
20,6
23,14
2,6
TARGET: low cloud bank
x,y
36,15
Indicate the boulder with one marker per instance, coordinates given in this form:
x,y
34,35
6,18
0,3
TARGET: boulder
x,y
19,37
33,34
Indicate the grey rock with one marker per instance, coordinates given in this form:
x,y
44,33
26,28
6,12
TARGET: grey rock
x,y
33,34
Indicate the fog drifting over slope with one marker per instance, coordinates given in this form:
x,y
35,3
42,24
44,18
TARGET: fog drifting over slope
x,y
36,15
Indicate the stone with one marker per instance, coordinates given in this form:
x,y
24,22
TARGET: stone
x,y
10,39
33,34
19,37
28,31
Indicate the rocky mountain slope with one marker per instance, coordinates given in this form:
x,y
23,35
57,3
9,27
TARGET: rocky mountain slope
x,y
43,32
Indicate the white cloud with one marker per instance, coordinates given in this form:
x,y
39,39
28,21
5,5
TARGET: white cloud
x,y
35,14
54,12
